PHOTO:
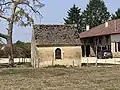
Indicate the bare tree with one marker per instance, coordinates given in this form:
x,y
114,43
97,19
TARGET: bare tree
x,y
18,12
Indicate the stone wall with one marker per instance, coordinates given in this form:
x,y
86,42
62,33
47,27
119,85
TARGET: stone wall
x,y
71,55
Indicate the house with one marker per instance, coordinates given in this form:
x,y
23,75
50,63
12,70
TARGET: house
x,y
102,37
55,44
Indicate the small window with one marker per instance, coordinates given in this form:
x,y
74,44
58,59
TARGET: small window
x,y
58,53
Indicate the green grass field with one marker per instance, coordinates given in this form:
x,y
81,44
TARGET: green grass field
x,y
85,78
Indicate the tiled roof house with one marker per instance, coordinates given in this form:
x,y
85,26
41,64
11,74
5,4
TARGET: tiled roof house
x,y
55,44
103,37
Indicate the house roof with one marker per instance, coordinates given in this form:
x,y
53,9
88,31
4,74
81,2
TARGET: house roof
x,y
56,35
113,28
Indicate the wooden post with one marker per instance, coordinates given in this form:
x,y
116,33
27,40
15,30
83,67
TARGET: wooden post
x,y
105,61
96,57
22,60
38,63
85,49
115,61
19,60
73,63
80,65
87,62
34,63
53,62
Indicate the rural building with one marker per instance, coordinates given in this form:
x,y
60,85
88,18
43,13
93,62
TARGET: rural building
x,y
102,37
62,45
55,45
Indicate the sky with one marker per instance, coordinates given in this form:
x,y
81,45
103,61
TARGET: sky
x,y
53,13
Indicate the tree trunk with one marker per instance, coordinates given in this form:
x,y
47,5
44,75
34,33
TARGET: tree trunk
x,y
9,38
10,45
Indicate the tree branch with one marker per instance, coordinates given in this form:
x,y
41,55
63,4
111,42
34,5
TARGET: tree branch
x,y
4,18
3,36
34,10
6,3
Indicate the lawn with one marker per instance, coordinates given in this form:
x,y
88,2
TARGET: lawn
x,y
85,78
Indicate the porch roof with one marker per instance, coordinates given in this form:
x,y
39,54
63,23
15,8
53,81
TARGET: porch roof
x,y
113,28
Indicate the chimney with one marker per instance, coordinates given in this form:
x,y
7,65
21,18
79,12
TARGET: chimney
x,y
75,25
106,24
87,27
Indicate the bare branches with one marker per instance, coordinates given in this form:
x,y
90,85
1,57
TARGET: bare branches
x,y
6,6
3,36
39,4
5,3
32,8
3,17
23,18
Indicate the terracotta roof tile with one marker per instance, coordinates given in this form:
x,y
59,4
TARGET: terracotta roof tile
x,y
56,35
113,28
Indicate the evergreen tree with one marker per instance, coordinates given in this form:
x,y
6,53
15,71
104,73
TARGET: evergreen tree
x,y
74,16
95,14
116,15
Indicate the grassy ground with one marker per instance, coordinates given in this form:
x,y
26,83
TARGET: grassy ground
x,y
85,78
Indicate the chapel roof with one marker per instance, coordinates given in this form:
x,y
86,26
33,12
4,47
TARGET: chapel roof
x,y
58,35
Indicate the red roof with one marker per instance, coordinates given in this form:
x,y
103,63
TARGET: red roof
x,y
113,28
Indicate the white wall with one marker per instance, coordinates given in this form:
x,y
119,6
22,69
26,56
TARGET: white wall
x,y
71,55
115,38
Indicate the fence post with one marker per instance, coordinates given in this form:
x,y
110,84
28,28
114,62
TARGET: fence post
x,y
105,61
73,63
53,62
19,60
96,62
115,61
87,61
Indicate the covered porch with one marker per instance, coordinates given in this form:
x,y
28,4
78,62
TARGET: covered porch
x,y
93,45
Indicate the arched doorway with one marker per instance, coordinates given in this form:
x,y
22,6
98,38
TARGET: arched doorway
x,y
58,53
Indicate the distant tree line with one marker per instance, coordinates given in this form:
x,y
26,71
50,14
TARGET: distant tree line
x,y
96,13
20,50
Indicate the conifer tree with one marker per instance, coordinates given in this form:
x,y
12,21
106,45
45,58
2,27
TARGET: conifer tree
x,y
116,15
95,14
74,16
